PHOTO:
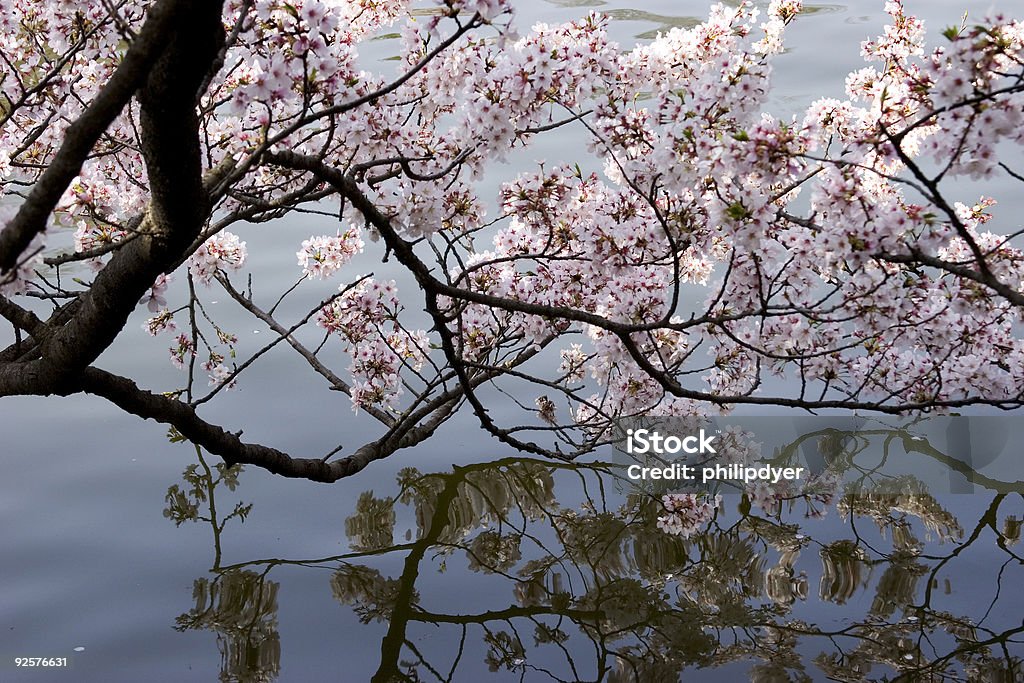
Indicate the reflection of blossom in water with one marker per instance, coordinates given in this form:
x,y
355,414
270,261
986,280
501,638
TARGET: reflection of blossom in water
x,y
908,496
731,569
492,552
653,579
996,670
241,607
936,520
842,564
620,605
776,671
596,541
629,669
655,555
484,497
373,524
371,595
897,587
782,584
903,539
504,651
655,594
783,665
687,513
895,646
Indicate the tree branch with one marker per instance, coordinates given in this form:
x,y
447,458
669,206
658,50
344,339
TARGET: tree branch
x,y
164,19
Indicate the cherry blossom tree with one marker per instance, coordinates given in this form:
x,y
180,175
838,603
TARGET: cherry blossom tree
x,y
715,256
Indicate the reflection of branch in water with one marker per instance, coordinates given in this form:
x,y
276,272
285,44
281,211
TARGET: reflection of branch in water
x,y
598,593
239,605
184,505
840,449
913,445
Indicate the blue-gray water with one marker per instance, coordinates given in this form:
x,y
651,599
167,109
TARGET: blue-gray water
x,y
89,560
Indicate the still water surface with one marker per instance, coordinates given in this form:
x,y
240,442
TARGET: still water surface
x,y
477,565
